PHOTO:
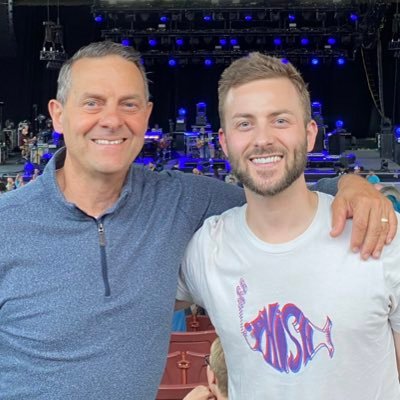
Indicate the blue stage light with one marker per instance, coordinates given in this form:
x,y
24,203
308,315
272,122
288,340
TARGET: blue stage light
x,y
208,62
314,61
182,112
341,61
29,168
207,18
222,42
152,42
179,41
284,60
125,42
99,18
163,18
397,132
46,157
353,17
331,41
277,41
292,17
248,17
171,62
305,41
233,42
339,124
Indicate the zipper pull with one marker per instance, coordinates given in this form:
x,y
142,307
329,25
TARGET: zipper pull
x,y
102,236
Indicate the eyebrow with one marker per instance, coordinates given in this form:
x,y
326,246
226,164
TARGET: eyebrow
x,y
102,97
242,115
98,95
279,112
273,114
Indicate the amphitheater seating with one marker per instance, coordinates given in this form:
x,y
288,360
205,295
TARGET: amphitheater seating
x,y
195,323
185,367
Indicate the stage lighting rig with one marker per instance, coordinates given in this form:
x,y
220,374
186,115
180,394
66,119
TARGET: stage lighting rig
x,y
394,44
302,28
53,48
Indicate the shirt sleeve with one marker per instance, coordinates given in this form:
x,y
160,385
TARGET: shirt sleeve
x,y
183,292
326,185
209,196
191,280
391,265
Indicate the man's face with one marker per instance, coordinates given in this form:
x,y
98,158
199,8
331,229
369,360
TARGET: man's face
x,y
264,136
105,116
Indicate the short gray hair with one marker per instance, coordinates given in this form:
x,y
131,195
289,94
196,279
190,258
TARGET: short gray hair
x,y
96,50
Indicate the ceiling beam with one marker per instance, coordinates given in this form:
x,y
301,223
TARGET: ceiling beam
x,y
52,2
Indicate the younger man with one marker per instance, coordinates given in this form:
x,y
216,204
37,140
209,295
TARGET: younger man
x,y
299,315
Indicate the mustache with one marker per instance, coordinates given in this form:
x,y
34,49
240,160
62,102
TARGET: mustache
x,y
266,151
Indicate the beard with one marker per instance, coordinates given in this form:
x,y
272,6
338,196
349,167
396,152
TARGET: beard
x,y
263,183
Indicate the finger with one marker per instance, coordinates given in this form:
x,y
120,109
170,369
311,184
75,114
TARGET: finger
x,y
361,227
339,215
389,224
393,225
381,240
374,228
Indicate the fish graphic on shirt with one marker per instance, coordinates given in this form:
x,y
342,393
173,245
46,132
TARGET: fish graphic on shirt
x,y
284,336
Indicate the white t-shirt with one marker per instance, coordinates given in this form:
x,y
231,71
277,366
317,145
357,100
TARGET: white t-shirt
x,y
303,320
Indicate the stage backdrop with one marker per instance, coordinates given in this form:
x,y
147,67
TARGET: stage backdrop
x,y
25,82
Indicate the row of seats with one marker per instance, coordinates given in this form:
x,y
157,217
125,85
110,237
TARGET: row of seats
x,y
186,368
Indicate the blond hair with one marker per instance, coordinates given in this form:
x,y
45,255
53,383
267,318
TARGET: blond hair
x,y
257,66
218,366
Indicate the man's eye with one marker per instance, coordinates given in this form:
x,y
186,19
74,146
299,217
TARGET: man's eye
x,y
243,124
131,105
91,103
281,122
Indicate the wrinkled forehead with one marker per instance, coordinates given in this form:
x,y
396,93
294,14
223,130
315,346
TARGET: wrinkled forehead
x,y
109,71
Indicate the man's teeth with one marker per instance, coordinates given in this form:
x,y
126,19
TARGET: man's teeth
x,y
266,160
104,141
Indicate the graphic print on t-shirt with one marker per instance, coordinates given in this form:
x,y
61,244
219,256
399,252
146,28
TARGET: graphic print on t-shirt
x,y
284,336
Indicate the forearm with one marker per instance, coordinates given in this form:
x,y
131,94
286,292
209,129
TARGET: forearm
x,y
327,185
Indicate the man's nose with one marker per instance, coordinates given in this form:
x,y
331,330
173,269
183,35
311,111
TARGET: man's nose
x,y
264,135
111,118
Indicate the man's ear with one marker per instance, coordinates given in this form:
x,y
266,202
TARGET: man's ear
x,y
56,112
311,131
149,109
222,141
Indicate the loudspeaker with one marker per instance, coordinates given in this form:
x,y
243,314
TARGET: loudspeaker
x,y
178,142
397,151
319,140
8,44
336,144
386,142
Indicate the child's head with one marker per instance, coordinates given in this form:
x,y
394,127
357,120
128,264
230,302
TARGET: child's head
x,y
216,371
